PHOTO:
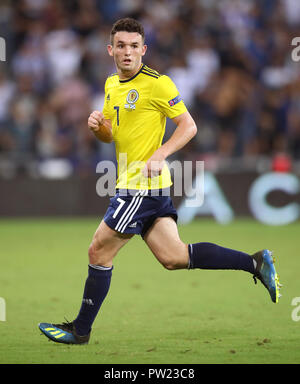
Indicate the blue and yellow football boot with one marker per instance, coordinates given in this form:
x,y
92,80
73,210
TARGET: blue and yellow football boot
x,y
266,273
63,333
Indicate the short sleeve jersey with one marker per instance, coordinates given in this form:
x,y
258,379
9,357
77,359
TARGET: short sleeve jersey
x,y
138,109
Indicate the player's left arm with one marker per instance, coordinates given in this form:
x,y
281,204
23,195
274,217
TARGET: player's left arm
x,y
185,130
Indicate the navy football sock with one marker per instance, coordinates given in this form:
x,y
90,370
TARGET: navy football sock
x,y
95,290
212,256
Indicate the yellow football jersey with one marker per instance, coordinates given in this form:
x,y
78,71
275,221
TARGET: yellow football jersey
x,y
138,109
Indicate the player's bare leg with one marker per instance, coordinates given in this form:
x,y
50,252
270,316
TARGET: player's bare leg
x,y
164,241
104,246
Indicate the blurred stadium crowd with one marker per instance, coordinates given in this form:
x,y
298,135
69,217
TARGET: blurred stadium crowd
x,y
230,59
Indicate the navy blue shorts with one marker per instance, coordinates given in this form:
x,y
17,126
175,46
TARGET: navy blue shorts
x,y
136,212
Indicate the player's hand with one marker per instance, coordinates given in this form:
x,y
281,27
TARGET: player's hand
x,y
95,119
155,164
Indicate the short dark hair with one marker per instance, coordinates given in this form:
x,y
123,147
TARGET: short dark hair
x,y
128,25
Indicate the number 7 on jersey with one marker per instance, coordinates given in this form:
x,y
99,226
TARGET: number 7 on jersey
x,y
117,108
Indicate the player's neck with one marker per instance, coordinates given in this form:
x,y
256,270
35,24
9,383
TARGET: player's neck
x,y
125,75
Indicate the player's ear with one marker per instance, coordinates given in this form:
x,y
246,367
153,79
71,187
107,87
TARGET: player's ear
x,y
144,49
110,50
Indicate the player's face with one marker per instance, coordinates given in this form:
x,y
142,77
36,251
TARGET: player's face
x,y
127,51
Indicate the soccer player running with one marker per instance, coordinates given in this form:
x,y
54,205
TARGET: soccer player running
x,y
137,102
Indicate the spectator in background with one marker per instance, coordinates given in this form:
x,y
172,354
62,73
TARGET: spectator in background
x,y
7,90
63,51
22,123
231,61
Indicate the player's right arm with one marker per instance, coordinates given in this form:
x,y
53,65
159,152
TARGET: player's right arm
x,y
100,126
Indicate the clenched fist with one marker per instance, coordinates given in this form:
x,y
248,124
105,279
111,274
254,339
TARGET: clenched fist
x,y
100,126
95,120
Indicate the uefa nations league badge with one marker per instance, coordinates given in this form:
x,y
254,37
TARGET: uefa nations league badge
x,y
131,99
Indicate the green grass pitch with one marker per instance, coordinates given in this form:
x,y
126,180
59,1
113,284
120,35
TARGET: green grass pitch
x,y
151,315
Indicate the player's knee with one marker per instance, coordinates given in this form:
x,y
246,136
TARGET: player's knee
x,y
94,253
172,260
172,264
169,266
91,253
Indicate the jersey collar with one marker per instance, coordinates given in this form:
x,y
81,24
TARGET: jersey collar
x,y
134,76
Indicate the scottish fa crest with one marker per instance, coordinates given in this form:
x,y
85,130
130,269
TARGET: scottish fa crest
x,y
131,99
